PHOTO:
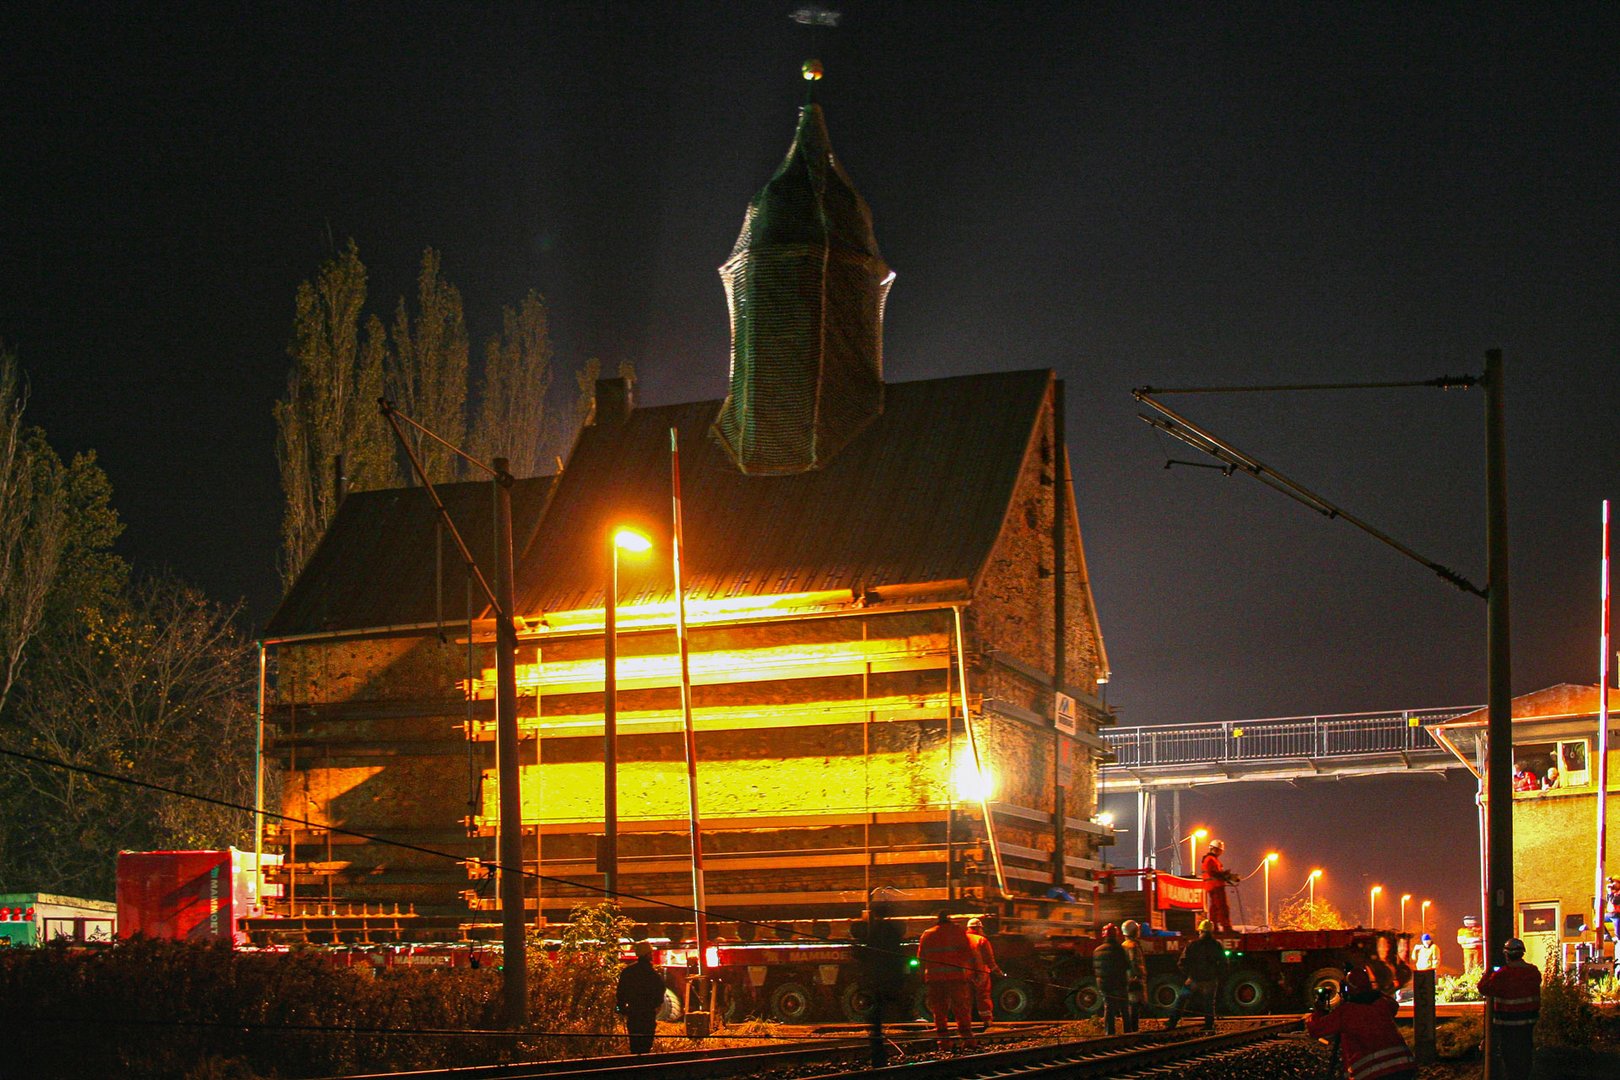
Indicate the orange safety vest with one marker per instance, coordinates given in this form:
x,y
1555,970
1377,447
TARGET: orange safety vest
x,y
984,957
946,953
1515,993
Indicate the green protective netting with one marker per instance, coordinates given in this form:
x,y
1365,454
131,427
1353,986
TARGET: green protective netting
x,y
806,288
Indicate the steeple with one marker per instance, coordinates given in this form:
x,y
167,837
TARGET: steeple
x,y
806,288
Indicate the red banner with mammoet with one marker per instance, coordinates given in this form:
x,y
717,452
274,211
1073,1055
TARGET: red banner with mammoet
x,y
1178,892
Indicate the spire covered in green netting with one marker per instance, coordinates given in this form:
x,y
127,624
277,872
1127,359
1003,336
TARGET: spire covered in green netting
x,y
806,288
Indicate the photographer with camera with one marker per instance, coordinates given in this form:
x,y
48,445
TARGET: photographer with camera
x,y
1363,1026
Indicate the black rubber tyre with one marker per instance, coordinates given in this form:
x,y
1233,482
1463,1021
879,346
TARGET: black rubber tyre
x,y
1162,991
792,1003
854,1001
1331,977
1014,999
1085,999
1246,993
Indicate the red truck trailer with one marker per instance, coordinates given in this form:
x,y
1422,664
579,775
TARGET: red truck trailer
x,y
185,895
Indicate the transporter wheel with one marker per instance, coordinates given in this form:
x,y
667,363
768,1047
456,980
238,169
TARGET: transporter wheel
x,y
855,1001
1330,977
1162,991
791,1003
1086,999
1246,993
1014,999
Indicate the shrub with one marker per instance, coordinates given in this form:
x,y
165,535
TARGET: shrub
x,y
1464,987
1567,1016
1459,1036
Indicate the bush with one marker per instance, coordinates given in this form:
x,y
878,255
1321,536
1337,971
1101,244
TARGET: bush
x,y
1459,1036
1464,987
1567,1016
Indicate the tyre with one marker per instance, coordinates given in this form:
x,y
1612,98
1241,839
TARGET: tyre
x,y
1331,978
1162,991
1014,999
1086,999
1246,993
791,1003
855,1002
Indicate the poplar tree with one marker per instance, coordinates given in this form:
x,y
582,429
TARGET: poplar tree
x,y
513,419
330,407
427,369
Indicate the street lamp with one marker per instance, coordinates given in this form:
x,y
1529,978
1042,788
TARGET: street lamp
x,y
632,541
1372,905
1404,898
1193,840
1423,916
1270,858
1311,881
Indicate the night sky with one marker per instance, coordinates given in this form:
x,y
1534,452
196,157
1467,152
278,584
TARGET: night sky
x,y
1182,195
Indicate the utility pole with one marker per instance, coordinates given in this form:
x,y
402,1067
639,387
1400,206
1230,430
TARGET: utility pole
x,y
1499,766
514,958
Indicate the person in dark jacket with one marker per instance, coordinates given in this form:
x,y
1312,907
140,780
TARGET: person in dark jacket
x,y
1110,967
640,993
882,964
1203,964
1514,991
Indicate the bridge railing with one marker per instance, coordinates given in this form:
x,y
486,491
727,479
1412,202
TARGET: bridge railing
x,y
1340,735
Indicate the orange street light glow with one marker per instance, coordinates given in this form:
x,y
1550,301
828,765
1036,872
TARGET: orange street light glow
x,y
631,540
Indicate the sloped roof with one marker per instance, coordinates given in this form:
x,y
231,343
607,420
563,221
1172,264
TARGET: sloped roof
x,y
919,496
376,565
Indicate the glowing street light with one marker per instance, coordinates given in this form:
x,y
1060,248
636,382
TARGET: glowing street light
x,y
1404,898
1423,917
1372,905
1265,863
1194,838
1311,881
632,541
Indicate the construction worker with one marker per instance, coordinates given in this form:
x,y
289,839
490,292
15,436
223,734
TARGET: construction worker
x,y
882,968
1613,890
1514,992
1108,967
984,966
1216,877
638,996
1426,957
1135,973
947,962
1203,964
1472,940
1369,1042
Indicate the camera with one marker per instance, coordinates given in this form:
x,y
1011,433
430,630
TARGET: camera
x,y
1323,993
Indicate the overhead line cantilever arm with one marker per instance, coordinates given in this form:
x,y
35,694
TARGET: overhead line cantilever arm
x,y
1221,450
393,416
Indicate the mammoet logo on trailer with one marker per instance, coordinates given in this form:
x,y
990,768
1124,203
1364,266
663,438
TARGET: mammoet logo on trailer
x,y
1179,892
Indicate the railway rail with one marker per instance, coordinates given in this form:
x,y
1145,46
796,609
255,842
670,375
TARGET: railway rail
x,y
1036,1051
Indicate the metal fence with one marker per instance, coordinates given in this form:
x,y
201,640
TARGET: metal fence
x,y
1342,735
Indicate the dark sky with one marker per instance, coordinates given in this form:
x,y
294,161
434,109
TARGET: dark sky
x,y
1160,194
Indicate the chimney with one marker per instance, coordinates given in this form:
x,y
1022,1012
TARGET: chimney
x,y
614,401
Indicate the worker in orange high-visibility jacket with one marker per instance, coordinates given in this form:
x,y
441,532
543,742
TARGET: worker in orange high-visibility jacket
x,y
947,962
984,966
1369,1042
1514,991
1216,877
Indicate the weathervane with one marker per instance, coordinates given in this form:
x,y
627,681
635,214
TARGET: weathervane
x,y
815,18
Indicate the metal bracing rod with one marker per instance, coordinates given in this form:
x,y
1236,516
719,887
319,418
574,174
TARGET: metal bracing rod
x,y
1200,439
393,415
389,409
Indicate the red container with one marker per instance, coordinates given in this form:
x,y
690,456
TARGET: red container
x,y
182,895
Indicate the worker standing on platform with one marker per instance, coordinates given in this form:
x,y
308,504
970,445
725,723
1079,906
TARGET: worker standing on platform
x,y
984,966
1135,974
1216,878
1514,991
947,960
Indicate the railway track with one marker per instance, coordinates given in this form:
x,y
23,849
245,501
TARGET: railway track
x,y
844,1058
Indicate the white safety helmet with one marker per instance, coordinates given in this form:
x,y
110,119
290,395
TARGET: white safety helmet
x,y
1131,927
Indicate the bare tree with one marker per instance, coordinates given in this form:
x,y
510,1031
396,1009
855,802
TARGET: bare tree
x,y
330,407
159,687
34,525
427,368
513,420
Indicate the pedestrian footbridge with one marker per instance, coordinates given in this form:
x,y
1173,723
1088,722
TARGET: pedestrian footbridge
x,y
1290,748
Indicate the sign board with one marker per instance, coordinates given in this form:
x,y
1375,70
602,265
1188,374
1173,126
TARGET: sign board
x,y
1179,892
1064,714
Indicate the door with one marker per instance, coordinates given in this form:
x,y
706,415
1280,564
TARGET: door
x,y
1538,929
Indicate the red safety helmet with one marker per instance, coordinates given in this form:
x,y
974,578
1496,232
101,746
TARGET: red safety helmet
x,y
1110,932
1358,981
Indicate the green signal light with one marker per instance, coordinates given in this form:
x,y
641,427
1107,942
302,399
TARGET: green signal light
x,y
914,962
